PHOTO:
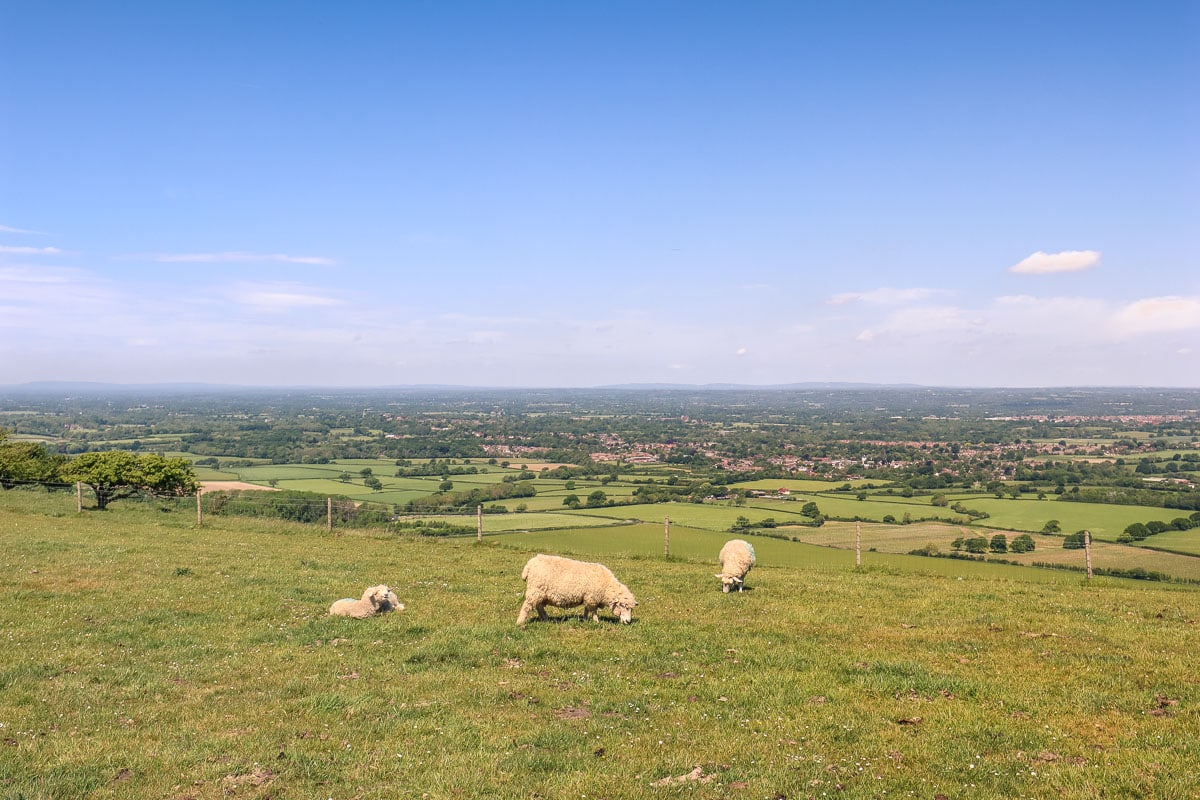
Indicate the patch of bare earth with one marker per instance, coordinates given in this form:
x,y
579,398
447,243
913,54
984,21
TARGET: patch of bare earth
x,y
233,486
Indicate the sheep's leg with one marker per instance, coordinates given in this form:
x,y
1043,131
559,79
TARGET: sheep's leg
x,y
590,611
542,615
526,607
725,587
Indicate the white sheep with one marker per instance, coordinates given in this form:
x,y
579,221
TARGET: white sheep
x,y
566,583
737,557
375,600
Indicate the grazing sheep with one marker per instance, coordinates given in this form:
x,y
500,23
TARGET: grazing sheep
x,y
566,583
375,600
737,557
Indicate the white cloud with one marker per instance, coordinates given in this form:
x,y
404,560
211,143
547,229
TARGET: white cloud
x,y
884,296
1041,263
233,257
1158,315
7,229
30,251
741,351
278,298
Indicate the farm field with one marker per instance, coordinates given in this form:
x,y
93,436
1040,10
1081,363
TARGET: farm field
x,y
148,658
499,523
1049,549
1104,521
798,485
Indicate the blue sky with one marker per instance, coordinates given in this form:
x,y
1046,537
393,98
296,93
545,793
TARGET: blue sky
x,y
577,194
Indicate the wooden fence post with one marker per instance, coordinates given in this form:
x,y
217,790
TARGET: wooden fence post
x,y
857,544
666,537
329,514
199,513
79,496
479,522
1087,552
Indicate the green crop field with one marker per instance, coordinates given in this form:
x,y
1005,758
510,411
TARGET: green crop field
x,y
1104,521
146,657
1048,549
1179,541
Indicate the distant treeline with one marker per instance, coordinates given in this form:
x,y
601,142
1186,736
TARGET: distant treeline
x,y
1122,496
445,502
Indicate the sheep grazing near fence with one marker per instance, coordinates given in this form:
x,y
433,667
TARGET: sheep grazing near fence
x,y
737,557
375,600
566,583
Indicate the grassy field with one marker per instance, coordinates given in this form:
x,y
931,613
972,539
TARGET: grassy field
x,y
147,658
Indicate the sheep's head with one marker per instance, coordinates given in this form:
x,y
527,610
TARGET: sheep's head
x,y
622,606
393,603
378,595
726,581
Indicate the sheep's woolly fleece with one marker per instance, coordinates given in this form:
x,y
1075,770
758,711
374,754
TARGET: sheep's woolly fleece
x,y
566,583
737,558
375,600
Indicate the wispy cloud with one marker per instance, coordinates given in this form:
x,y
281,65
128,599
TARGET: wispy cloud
x,y
232,257
1067,261
8,229
280,298
1158,315
885,296
30,251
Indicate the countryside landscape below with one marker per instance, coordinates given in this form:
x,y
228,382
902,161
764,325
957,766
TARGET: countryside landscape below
x,y
958,593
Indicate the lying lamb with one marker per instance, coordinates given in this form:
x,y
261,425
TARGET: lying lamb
x,y
737,557
565,583
375,600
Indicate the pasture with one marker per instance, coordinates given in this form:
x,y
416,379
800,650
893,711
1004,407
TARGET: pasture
x,y
146,657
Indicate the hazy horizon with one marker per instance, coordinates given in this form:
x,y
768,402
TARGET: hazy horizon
x,y
573,195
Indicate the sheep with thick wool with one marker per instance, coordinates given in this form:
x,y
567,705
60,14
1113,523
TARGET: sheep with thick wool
x,y
566,583
737,557
375,600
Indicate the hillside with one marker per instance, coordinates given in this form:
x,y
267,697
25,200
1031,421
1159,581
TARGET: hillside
x,y
146,657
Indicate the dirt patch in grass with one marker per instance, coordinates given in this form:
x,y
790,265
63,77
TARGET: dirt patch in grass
x,y
233,486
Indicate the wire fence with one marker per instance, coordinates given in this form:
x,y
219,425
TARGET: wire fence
x,y
304,507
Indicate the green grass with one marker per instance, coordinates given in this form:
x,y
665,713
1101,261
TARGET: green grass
x,y
147,658
1103,520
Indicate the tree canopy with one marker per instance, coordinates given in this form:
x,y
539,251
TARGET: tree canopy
x,y
117,474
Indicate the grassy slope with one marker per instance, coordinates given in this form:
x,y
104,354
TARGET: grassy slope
x,y
145,658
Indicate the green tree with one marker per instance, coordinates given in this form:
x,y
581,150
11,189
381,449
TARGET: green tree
x,y
597,498
939,500
373,483
1052,526
446,485
571,501
27,462
999,543
810,509
118,474
1022,544
1073,541
1137,531
976,544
